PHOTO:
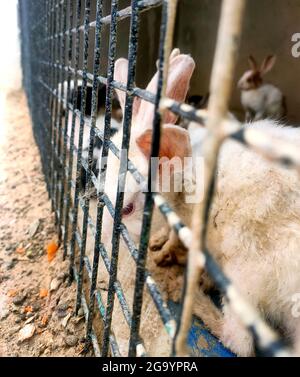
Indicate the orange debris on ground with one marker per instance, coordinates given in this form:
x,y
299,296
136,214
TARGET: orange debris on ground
x,y
44,320
43,293
12,293
20,250
28,309
51,251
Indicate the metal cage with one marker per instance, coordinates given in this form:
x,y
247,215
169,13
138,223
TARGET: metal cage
x,y
55,36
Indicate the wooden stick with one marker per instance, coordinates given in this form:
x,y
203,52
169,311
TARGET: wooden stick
x,y
221,87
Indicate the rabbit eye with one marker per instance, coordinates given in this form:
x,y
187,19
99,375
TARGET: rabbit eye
x,y
128,210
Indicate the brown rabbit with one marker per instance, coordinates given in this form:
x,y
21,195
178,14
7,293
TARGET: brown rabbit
x,y
261,100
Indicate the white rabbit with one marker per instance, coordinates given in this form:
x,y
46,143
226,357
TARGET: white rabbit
x,y
175,142
174,139
254,234
116,118
115,121
261,100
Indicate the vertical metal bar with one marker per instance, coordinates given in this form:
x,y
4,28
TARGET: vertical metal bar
x,y
133,43
52,99
96,73
40,91
221,86
71,143
61,136
87,11
166,40
44,94
65,138
58,109
48,97
55,106
45,98
105,148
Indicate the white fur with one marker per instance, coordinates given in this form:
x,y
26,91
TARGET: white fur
x,y
265,102
260,100
86,133
254,232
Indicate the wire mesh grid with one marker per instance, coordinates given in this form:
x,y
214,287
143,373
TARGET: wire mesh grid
x,y
56,39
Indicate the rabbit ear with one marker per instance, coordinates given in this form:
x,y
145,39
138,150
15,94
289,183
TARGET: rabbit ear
x,y
181,68
180,73
252,63
121,76
268,64
174,53
175,142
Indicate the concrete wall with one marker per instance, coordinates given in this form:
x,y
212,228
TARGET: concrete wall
x,y
148,40
268,28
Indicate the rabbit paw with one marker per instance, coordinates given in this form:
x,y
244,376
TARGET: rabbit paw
x,y
168,249
236,337
159,239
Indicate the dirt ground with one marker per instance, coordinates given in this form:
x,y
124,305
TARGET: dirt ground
x,y
36,304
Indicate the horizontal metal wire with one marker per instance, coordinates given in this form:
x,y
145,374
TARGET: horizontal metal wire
x,y
144,5
138,92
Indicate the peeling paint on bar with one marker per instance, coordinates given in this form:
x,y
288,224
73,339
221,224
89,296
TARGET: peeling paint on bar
x,y
171,328
121,15
132,55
